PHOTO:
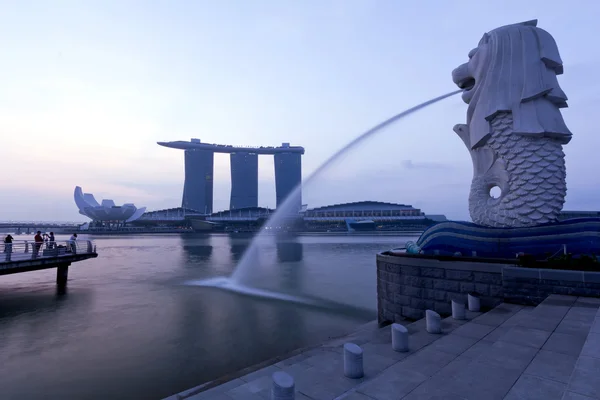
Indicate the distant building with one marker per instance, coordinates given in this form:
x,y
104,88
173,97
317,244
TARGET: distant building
x,y
169,216
288,176
244,180
242,214
198,184
364,209
368,216
199,167
358,216
106,211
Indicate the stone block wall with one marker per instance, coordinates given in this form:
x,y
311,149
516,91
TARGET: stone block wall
x,y
531,286
409,285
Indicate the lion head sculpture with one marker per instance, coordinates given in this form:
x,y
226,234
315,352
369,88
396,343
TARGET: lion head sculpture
x,y
514,69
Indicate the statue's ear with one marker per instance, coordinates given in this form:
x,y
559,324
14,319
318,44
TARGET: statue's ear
x,y
484,39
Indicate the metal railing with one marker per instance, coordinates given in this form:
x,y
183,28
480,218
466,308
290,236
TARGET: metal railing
x,y
20,250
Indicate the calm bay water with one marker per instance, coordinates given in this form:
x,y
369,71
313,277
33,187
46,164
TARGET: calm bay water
x,y
134,324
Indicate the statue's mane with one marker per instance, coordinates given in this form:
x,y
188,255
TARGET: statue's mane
x,y
520,68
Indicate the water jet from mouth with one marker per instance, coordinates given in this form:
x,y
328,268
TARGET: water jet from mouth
x,y
249,258
241,281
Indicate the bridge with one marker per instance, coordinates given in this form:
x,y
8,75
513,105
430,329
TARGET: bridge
x,y
25,256
29,227
199,167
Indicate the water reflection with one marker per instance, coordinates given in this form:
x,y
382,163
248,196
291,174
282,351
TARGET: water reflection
x,y
130,326
289,248
199,248
205,331
238,243
16,303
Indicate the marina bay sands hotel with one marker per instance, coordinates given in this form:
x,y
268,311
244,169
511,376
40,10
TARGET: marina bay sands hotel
x,y
199,166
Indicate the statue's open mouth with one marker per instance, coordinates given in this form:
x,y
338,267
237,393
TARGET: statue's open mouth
x,y
467,83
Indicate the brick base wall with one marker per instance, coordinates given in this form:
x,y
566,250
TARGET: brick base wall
x,y
531,286
407,285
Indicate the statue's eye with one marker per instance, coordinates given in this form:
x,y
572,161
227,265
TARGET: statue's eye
x,y
472,52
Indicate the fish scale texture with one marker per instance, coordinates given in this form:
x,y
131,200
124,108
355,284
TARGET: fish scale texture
x,y
536,180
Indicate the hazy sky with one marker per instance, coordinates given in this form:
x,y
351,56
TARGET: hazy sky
x,y
87,88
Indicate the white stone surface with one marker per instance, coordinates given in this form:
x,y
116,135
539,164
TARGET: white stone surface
x,y
474,303
353,361
399,338
433,322
283,386
458,310
515,130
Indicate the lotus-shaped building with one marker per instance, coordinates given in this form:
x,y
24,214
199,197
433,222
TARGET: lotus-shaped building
x,y
106,210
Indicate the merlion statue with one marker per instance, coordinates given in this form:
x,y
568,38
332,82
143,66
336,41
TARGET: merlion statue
x,y
515,130
514,133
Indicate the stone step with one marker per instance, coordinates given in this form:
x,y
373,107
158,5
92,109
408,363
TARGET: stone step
x,y
531,354
510,352
319,373
584,380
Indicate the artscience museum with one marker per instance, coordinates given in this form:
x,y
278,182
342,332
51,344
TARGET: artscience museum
x,y
106,210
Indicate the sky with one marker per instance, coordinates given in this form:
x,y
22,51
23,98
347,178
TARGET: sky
x,y
87,88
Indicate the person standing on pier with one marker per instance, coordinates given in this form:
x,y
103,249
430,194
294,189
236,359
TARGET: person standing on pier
x,y
73,243
8,246
51,241
39,240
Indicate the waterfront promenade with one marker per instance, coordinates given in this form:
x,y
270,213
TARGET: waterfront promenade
x,y
551,351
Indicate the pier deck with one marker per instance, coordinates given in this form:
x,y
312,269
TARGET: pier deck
x,y
28,256
510,352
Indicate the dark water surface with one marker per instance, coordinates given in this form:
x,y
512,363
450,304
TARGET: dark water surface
x,y
133,324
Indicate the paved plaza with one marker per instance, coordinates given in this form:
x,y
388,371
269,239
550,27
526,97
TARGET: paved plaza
x,y
549,352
